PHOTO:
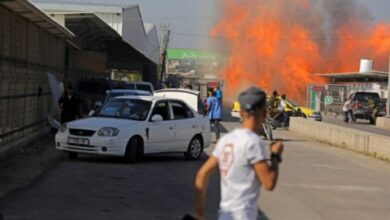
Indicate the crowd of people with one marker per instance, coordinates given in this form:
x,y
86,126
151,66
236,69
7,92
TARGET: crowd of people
x,y
277,106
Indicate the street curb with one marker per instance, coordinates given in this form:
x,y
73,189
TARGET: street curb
x,y
14,146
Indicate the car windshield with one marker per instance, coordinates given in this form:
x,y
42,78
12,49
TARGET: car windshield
x,y
134,109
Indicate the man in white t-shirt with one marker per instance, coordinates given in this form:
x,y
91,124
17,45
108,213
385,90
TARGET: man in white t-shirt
x,y
347,109
240,157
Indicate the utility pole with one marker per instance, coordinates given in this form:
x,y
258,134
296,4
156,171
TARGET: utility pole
x,y
165,27
388,92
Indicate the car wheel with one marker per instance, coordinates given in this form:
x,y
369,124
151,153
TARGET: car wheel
x,y
131,150
195,148
73,155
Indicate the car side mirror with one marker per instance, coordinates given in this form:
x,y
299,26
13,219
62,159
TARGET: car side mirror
x,y
91,113
156,118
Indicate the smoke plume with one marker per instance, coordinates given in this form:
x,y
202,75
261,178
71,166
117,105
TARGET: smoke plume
x,y
281,45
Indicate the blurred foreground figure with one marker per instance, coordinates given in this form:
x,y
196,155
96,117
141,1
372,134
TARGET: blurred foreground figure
x,y
240,157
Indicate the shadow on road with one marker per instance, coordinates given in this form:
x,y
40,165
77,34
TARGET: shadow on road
x,y
150,158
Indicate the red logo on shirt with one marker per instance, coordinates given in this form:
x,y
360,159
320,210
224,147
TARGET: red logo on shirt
x,y
227,159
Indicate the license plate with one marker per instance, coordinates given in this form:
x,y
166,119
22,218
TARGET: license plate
x,y
78,141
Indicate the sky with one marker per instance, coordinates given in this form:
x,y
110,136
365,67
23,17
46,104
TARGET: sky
x,y
188,17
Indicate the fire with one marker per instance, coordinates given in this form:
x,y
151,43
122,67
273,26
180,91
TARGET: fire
x,y
280,45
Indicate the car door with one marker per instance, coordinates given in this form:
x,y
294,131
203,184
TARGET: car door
x,y
160,134
185,124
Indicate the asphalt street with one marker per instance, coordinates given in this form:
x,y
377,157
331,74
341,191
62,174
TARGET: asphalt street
x,y
362,125
317,181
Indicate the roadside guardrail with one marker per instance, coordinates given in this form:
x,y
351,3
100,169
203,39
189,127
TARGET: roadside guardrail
x,y
363,142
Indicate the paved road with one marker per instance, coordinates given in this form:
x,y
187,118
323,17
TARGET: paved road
x,y
362,125
317,182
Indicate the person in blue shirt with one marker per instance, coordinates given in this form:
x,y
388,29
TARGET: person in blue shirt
x,y
218,93
214,111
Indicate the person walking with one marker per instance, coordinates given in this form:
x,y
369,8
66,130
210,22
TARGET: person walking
x,y
69,104
214,111
241,158
347,109
218,93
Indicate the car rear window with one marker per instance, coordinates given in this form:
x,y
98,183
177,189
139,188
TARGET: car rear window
x,y
365,97
144,88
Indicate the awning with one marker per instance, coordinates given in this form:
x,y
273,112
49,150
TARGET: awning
x,y
33,14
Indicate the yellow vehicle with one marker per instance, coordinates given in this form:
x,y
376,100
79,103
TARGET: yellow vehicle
x,y
291,107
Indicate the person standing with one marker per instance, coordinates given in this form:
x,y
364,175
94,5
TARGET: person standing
x,y
214,111
240,157
69,104
282,110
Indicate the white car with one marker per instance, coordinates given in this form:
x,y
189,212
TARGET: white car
x,y
132,126
125,92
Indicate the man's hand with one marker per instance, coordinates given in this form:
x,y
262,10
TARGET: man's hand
x,y
277,147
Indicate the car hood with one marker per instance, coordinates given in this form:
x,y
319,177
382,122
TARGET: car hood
x,y
95,123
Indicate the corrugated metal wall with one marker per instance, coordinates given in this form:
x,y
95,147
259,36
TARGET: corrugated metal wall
x,y
27,54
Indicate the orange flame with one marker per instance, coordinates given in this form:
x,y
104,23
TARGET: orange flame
x,y
280,45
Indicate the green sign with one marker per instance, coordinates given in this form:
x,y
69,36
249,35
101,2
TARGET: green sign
x,y
328,100
186,54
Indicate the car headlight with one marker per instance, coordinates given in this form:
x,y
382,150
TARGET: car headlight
x,y
62,129
110,132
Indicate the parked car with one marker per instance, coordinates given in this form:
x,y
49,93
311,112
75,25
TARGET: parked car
x,y
119,92
291,107
93,91
132,126
363,105
144,86
296,110
125,92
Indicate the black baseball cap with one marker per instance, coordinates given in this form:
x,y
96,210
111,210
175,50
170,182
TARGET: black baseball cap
x,y
252,99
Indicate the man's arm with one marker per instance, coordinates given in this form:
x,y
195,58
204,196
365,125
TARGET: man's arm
x,y
268,174
201,184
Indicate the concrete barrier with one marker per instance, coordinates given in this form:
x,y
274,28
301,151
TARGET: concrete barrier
x,y
364,142
383,122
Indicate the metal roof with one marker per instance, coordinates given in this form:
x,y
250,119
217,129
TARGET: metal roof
x,y
372,74
90,30
119,3
142,37
32,13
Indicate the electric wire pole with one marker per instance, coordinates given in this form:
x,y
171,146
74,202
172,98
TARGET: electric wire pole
x,y
165,48
388,92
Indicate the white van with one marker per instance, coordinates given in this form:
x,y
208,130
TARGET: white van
x,y
144,86
191,97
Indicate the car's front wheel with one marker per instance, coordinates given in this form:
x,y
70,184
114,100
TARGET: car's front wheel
x,y
195,148
134,150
